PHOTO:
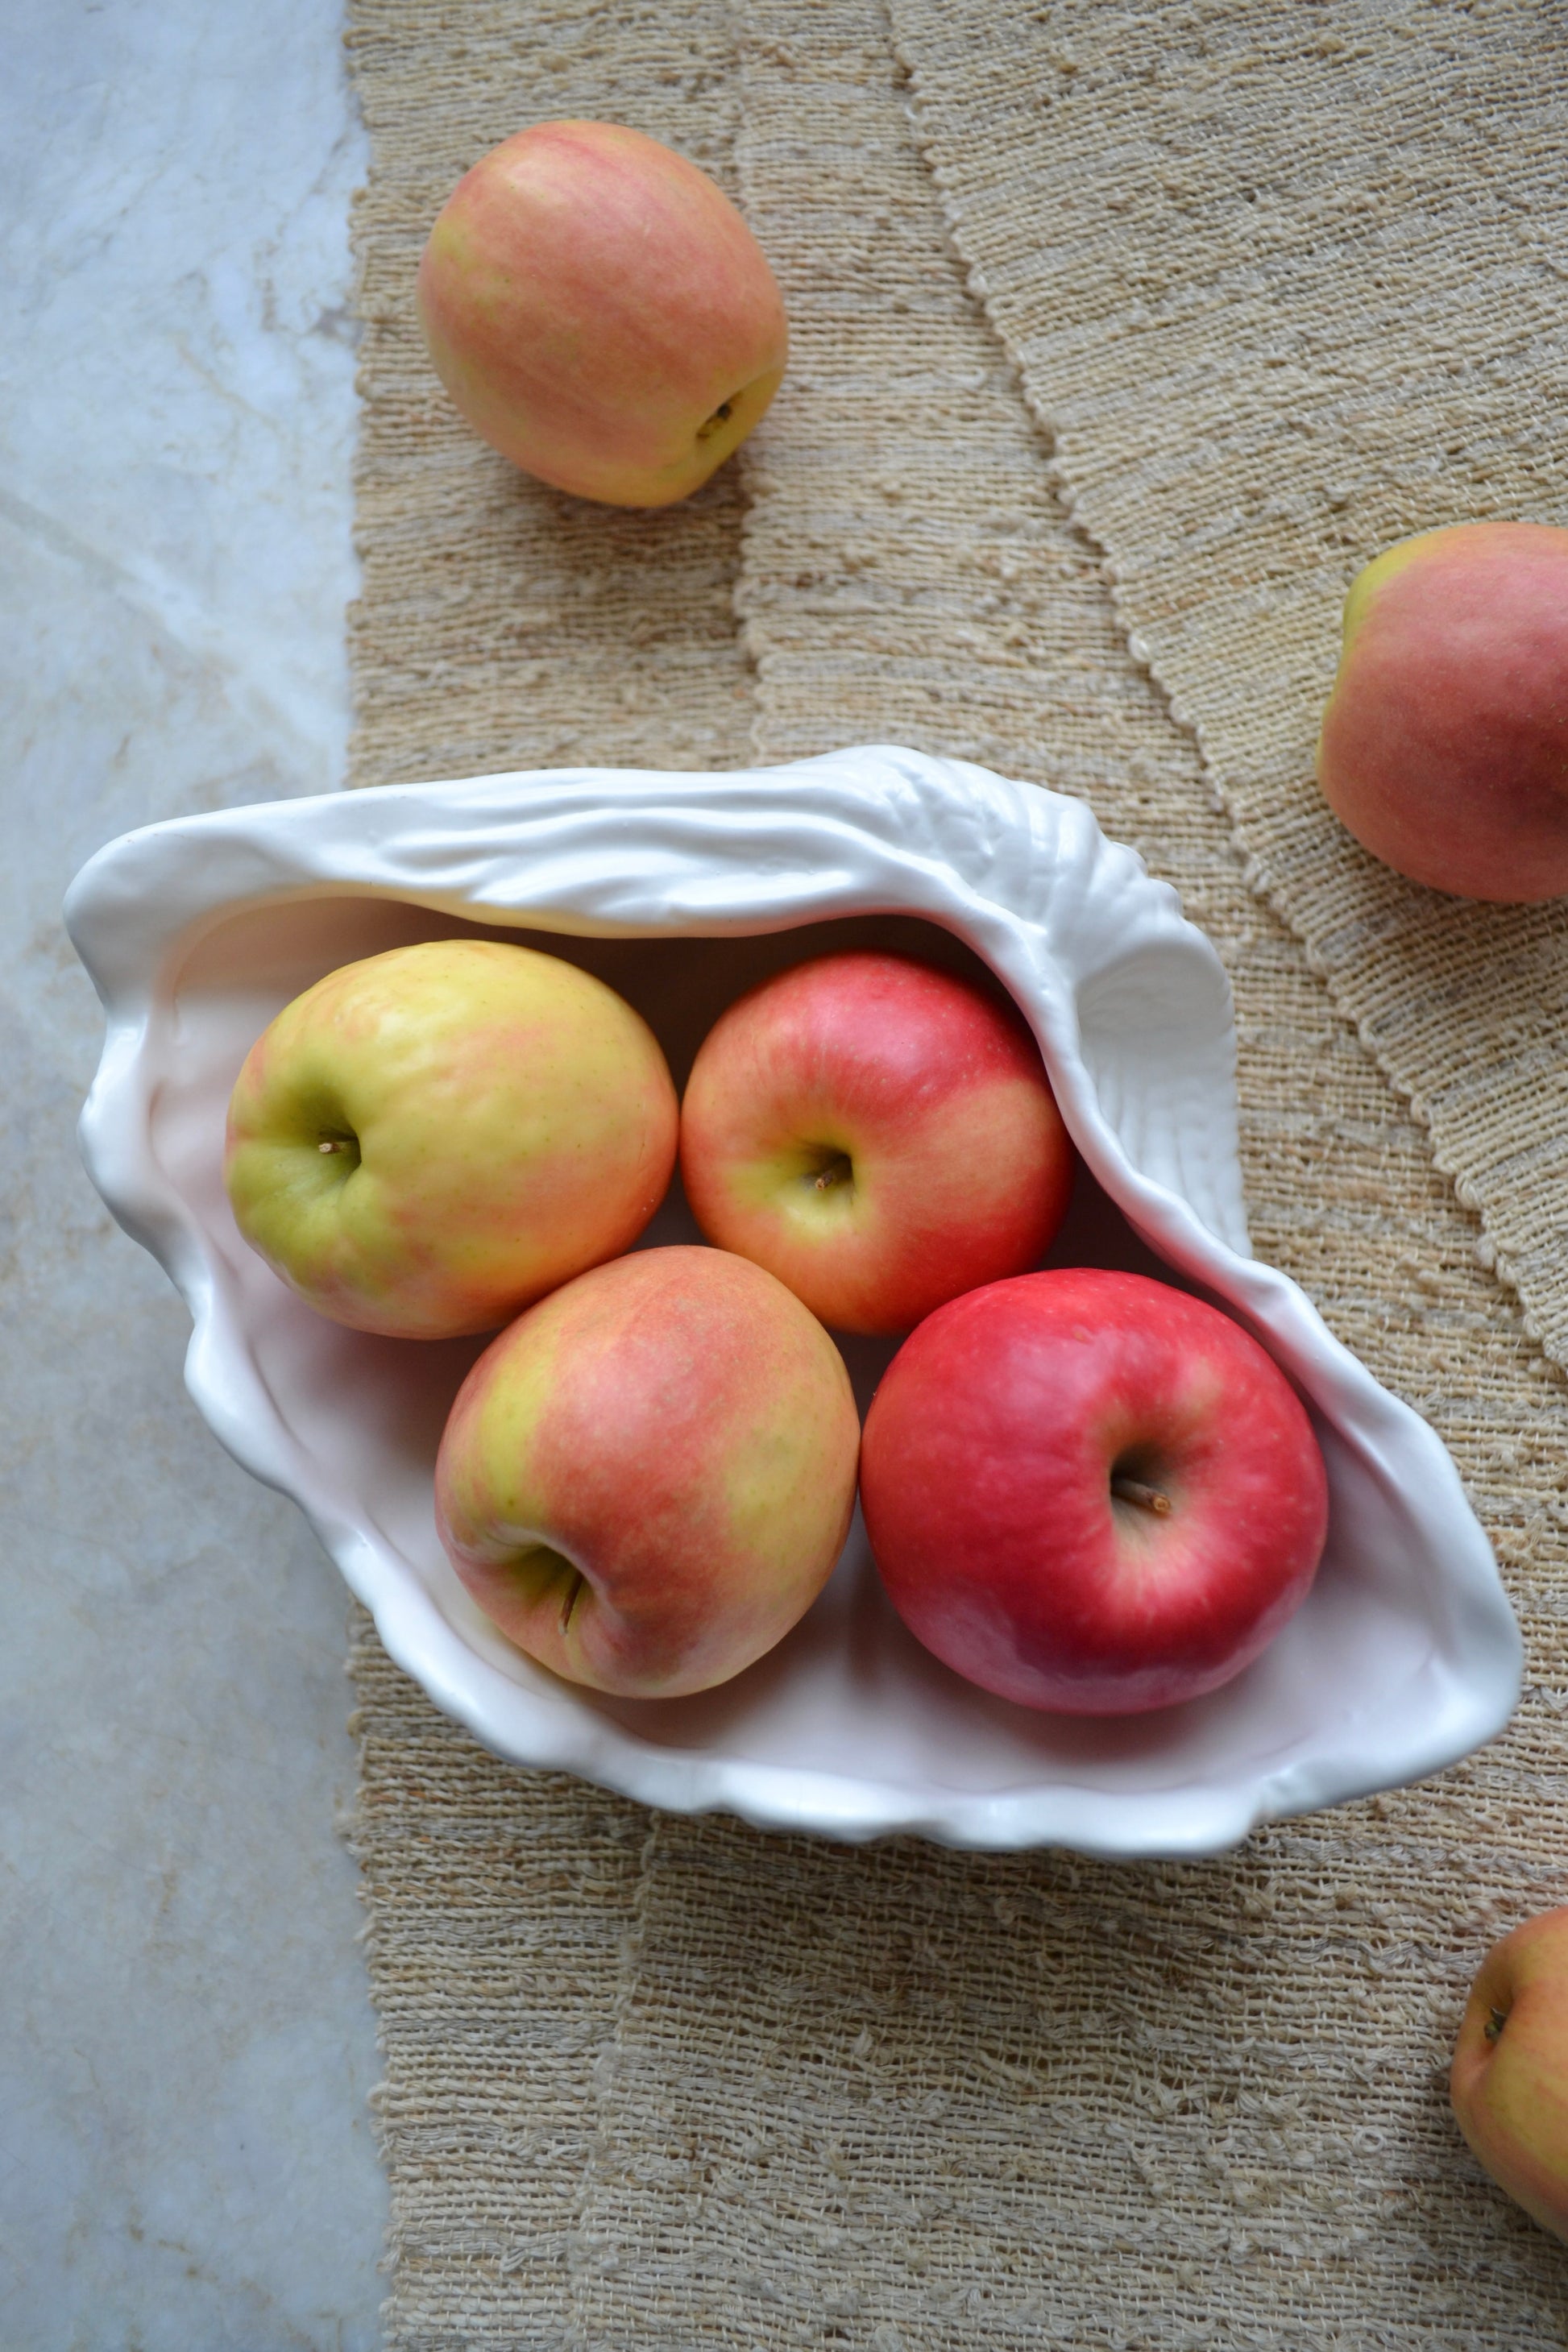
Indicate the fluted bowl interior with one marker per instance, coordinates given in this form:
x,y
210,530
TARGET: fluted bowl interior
x,y
681,891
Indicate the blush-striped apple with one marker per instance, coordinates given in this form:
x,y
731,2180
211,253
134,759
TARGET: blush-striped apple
x,y
1091,1493
878,1133
1508,2081
1445,743
599,310
429,1139
646,1480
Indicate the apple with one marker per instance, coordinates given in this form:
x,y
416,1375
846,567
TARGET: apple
x,y
427,1140
1509,2083
1090,1493
1445,743
646,1480
878,1133
598,309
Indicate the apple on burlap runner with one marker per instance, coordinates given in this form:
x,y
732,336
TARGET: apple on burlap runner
x,y
1123,334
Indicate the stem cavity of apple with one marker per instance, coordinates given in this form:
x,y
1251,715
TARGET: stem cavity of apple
x,y
839,1170
1495,2024
579,1585
539,1566
1146,1497
721,416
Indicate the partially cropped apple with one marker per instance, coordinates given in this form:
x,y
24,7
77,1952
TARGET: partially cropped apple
x,y
599,310
1445,743
428,1140
646,1480
1090,1493
880,1134
1509,2082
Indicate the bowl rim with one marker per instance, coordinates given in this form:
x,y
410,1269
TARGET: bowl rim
x,y
1026,876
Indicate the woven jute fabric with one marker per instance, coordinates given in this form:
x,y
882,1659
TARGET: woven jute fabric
x,y
1285,285
1051,483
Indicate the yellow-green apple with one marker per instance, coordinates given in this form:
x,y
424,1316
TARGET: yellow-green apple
x,y
878,1133
646,1480
426,1141
1091,1493
1509,2083
600,311
1445,743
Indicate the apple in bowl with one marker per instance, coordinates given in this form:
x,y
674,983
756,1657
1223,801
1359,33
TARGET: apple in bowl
x,y
1090,1493
648,1479
880,1134
431,1138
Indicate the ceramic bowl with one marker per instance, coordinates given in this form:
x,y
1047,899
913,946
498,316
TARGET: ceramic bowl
x,y
681,891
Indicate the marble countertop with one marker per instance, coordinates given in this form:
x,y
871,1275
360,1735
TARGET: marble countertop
x,y
186,2154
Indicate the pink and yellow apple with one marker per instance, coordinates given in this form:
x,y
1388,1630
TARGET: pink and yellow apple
x,y
878,1133
428,1140
1509,2082
599,310
646,1480
1090,1493
1445,743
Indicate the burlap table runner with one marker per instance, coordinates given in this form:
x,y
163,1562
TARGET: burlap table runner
x,y
1086,515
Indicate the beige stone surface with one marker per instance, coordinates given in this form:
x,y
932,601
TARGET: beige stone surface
x,y
186,2040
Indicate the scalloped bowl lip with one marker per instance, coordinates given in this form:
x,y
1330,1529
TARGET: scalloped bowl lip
x,y
454,847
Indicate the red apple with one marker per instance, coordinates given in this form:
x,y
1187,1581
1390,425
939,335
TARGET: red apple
x,y
1509,2083
1090,1493
880,1134
429,1139
648,1479
1445,743
600,311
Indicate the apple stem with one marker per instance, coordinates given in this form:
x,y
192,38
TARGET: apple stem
x,y
837,1172
1495,2024
1148,1498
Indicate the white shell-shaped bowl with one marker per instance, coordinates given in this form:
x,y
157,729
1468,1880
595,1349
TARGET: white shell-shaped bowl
x,y
682,890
